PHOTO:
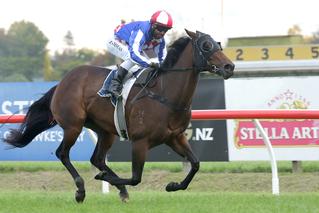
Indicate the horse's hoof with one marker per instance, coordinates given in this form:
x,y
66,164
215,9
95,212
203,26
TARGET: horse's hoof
x,y
172,186
124,196
79,196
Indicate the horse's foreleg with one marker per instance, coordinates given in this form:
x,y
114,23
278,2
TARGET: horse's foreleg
x,y
105,141
181,146
63,151
139,151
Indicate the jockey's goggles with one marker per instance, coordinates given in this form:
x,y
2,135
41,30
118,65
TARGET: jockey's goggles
x,y
162,28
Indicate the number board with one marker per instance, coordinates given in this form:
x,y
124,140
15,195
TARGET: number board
x,y
293,52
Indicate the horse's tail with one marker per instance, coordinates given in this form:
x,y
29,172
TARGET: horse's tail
x,y
38,119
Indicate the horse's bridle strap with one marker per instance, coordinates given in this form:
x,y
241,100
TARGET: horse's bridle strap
x,y
186,69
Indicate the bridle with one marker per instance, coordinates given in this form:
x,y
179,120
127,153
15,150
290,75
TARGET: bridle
x,y
204,46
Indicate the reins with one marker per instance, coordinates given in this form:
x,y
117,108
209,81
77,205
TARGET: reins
x,y
144,87
213,69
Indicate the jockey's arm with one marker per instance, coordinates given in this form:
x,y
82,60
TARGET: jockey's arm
x,y
136,43
161,51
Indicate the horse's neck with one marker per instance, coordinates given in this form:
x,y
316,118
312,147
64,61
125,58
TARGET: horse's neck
x,y
180,85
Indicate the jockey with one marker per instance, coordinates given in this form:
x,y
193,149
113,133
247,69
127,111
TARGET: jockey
x,y
129,43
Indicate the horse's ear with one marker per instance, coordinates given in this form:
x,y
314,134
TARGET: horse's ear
x,y
191,34
199,33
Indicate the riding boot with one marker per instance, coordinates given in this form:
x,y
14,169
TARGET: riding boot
x,y
117,82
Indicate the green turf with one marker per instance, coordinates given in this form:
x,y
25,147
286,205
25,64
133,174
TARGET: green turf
x,y
153,202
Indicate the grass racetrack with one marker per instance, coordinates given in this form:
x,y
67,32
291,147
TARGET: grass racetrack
x,y
218,187
160,202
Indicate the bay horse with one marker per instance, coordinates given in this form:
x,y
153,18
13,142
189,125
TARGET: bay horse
x,y
160,116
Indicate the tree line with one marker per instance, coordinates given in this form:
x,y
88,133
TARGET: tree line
x,y
24,56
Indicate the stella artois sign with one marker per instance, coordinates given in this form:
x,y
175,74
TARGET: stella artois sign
x,y
282,133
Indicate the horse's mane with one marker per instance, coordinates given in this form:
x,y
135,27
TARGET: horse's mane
x,y
174,51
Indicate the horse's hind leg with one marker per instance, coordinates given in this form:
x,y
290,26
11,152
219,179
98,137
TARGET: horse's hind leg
x,y
104,143
63,153
139,151
181,146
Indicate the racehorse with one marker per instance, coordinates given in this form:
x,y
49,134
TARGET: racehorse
x,y
159,116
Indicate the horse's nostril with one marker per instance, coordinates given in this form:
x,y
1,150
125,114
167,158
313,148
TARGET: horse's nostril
x,y
229,67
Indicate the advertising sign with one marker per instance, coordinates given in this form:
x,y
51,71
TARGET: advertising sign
x,y
291,139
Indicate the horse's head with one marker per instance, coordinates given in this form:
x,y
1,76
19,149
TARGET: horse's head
x,y
208,55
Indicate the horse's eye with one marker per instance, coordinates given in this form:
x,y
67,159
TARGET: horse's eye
x,y
207,46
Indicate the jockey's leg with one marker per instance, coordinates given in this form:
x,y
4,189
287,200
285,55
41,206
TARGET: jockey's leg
x,y
117,82
119,49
